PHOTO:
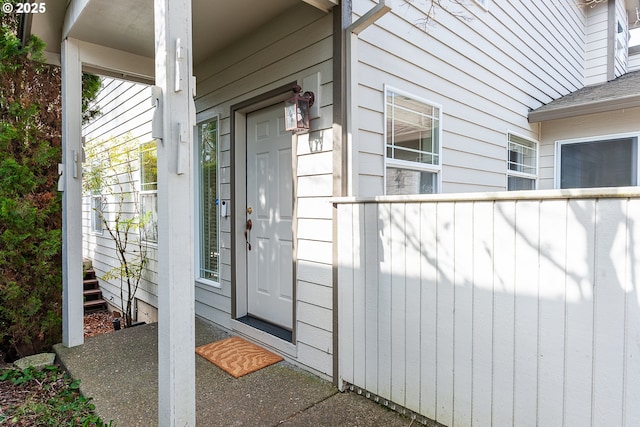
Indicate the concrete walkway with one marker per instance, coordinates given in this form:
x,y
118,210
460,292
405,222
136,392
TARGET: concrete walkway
x,y
119,371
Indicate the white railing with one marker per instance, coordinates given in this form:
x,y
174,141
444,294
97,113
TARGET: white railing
x,y
495,310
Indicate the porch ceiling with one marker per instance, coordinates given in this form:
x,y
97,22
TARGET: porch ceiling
x,y
127,25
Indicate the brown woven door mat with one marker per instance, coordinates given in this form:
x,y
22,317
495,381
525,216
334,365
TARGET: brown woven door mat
x,y
237,356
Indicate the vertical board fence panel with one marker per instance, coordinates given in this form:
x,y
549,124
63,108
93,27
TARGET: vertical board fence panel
x,y
445,311
609,298
526,312
412,311
579,313
551,311
372,244
359,295
384,303
631,391
482,357
346,275
503,313
463,312
493,312
398,303
429,309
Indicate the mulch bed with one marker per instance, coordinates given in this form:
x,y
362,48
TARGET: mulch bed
x,y
98,324
12,395
94,324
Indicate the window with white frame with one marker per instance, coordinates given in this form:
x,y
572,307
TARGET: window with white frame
x,y
622,46
149,191
599,162
94,182
413,144
522,164
209,260
96,212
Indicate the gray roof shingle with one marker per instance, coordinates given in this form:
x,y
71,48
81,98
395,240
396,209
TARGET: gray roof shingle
x,y
623,92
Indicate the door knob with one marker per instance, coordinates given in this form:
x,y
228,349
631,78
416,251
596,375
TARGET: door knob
x,y
246,233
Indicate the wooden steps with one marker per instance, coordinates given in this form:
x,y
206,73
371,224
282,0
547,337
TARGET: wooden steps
x,y
93,301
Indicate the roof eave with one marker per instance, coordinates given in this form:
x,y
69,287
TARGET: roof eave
x,y
594,107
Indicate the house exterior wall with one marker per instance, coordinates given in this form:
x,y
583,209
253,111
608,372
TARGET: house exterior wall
x,y
296,46
597,44
587,126
486,69
125,117
607,36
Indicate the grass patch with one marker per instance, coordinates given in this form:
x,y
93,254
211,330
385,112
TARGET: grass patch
x,y
47,397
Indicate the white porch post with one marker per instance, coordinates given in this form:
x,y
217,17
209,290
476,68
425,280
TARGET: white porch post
x,y
72,307
176,337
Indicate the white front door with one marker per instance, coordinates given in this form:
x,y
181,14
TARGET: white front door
x,y
270,209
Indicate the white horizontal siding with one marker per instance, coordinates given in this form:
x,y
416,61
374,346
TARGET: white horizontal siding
x,y
597,44
634,62
486,71
125,115
587,126
292,47
315,229
314,207
493,312
315,272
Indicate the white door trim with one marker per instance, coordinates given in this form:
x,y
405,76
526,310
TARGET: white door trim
x,y
238,203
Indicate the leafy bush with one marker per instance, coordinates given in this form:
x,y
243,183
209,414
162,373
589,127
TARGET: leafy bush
x,y
30,207
48,397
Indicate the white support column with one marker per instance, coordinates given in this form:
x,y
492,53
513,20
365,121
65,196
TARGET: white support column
x,y
351,64
176,306
72,307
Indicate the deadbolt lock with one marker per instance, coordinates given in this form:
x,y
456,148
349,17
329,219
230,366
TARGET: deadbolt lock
x,y
249,210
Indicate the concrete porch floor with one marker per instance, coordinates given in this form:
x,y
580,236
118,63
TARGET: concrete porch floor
x,y
119,371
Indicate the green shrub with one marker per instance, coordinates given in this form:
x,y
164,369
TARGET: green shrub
x,y
30,206
51,398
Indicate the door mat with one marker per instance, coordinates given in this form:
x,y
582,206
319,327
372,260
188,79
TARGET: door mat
x,y
237,356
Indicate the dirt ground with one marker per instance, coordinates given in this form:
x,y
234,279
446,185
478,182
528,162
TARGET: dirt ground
x,y
98,324
15,395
